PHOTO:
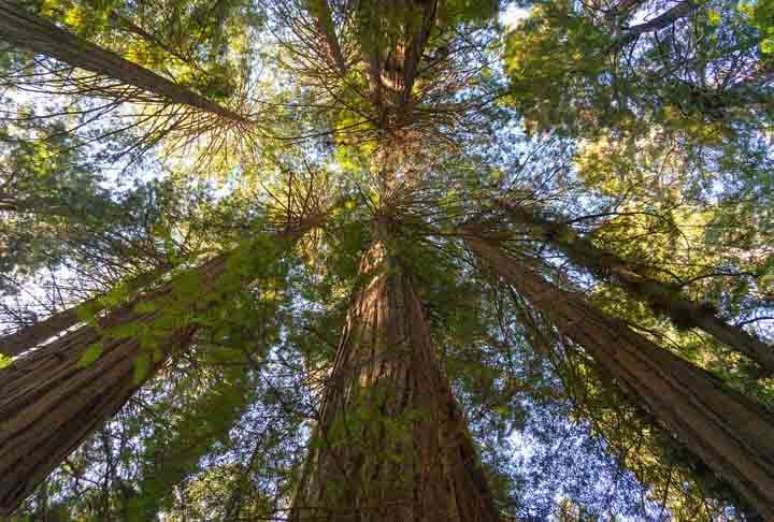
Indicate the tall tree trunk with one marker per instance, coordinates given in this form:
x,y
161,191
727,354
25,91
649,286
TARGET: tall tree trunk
x,y
323,24
391,443
51,400
31,336
36,34
730,433
663,298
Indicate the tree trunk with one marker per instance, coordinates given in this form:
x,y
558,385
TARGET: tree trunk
x,y
323,24
36,34
730,433
663,299
665,19
50,400
31,336
391,443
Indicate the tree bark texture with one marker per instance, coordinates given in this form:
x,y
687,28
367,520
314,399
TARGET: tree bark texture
x,y
391,443
663,299
50,400
31,32
31,336
730,433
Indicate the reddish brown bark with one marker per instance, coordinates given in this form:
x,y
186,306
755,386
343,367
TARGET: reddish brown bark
x,y
50,402
323,24
730,433
31,336
391,443
663,299
36,34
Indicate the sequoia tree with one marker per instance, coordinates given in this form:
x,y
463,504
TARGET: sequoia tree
x,y
726,430
60,393
452,266
662,297
391,442
36,34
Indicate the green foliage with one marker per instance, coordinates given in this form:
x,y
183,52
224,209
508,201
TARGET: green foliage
x,y
174,453
91,354
655,148
199,45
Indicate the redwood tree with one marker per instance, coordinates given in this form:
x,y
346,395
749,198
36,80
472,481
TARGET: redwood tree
x,y
663,298
391,442
725,429
57,395
31,32
385,127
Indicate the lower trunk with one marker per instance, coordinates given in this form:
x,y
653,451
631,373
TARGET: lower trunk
x,y
53,398
731,434
391,443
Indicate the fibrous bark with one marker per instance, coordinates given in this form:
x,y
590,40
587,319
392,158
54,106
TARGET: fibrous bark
x,y
391,443
31,336
51,400
663,298
730,433
31,32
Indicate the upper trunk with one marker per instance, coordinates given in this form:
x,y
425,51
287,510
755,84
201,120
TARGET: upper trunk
x,y
391,442
661,297
730,433
392,57
31,336
36,34
323,24
665,19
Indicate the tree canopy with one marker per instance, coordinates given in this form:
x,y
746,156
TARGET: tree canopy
x,y
466,260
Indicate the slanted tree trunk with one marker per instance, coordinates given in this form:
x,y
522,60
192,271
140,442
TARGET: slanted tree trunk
x,y
665,19
391,443
663,298
51,399
730,433
36,34
31,336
